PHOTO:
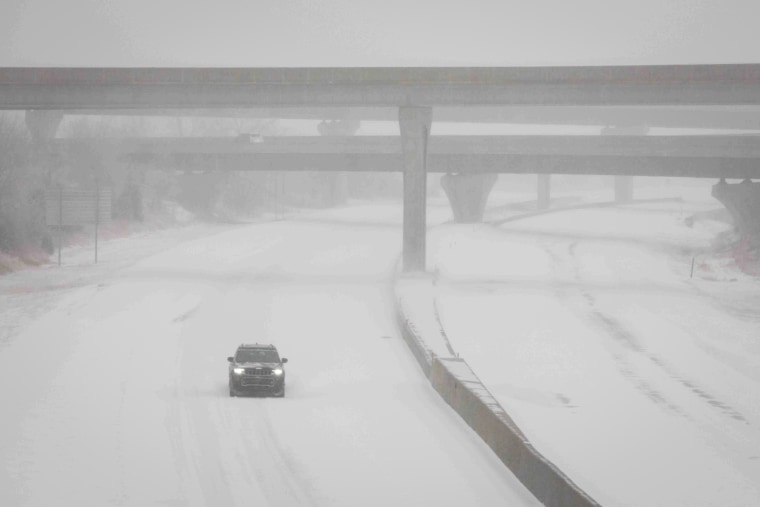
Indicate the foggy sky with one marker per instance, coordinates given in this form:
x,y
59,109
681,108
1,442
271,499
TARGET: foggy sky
x,y
302,33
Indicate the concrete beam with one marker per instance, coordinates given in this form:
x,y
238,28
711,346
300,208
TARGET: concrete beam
x,y
729,146
685,156
323,162
115,88
703,117
685,167
612,165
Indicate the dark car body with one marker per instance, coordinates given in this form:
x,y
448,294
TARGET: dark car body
x,y
257,369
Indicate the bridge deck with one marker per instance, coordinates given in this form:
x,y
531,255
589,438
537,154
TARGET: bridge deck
x,y
731,146
685,156
710,117
86,88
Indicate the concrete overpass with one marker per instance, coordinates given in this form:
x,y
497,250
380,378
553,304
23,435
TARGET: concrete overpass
x,y
128,88
413,92
725,156
696,117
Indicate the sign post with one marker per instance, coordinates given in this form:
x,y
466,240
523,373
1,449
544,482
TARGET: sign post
x,y
78,207
60,221
97,213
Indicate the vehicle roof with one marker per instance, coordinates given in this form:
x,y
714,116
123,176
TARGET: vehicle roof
x,y
257,346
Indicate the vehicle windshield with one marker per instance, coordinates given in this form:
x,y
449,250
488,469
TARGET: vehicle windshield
x,y
256,356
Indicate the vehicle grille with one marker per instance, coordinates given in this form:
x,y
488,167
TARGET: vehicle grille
x,y
257,381
257,377
258,372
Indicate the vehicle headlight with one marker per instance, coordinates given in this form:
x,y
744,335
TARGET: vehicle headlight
x,y
277,371
238,371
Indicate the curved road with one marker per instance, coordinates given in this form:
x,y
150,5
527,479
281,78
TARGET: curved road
x,y
638,381
114,391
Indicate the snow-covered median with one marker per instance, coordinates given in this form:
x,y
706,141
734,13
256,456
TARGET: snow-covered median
x,y
637,380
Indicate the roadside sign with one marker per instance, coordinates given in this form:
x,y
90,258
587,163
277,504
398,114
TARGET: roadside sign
x,y
77,207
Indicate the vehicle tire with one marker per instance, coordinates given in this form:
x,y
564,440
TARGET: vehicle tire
x,y
232,392
281,394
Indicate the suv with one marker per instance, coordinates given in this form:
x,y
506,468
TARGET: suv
x,y
257,369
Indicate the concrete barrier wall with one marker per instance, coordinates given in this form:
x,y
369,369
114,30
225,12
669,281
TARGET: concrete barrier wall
x,y
413,339
458,385
415,344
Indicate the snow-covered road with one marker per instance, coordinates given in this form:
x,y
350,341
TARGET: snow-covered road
x,y
113,380
638,381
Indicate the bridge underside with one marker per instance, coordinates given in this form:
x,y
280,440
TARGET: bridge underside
x,y
695,117
680,156
687,167
469,163
216,88
540,93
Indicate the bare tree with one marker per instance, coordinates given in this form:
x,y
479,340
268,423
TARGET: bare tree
x,y
18,214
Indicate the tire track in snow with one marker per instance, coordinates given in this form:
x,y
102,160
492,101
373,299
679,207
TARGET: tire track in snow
x,y
196,453
280,469
227,450
627,340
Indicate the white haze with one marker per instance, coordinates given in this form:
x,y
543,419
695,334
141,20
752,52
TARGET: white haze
x,y
637,379
307,33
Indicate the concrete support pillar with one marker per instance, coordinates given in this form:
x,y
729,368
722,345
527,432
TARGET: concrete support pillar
x,y
624,184
468,194
337,181
742,200
623,189
414,123
544,191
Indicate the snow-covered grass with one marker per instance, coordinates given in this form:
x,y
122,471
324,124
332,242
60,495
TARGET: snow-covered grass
x,y
73,240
